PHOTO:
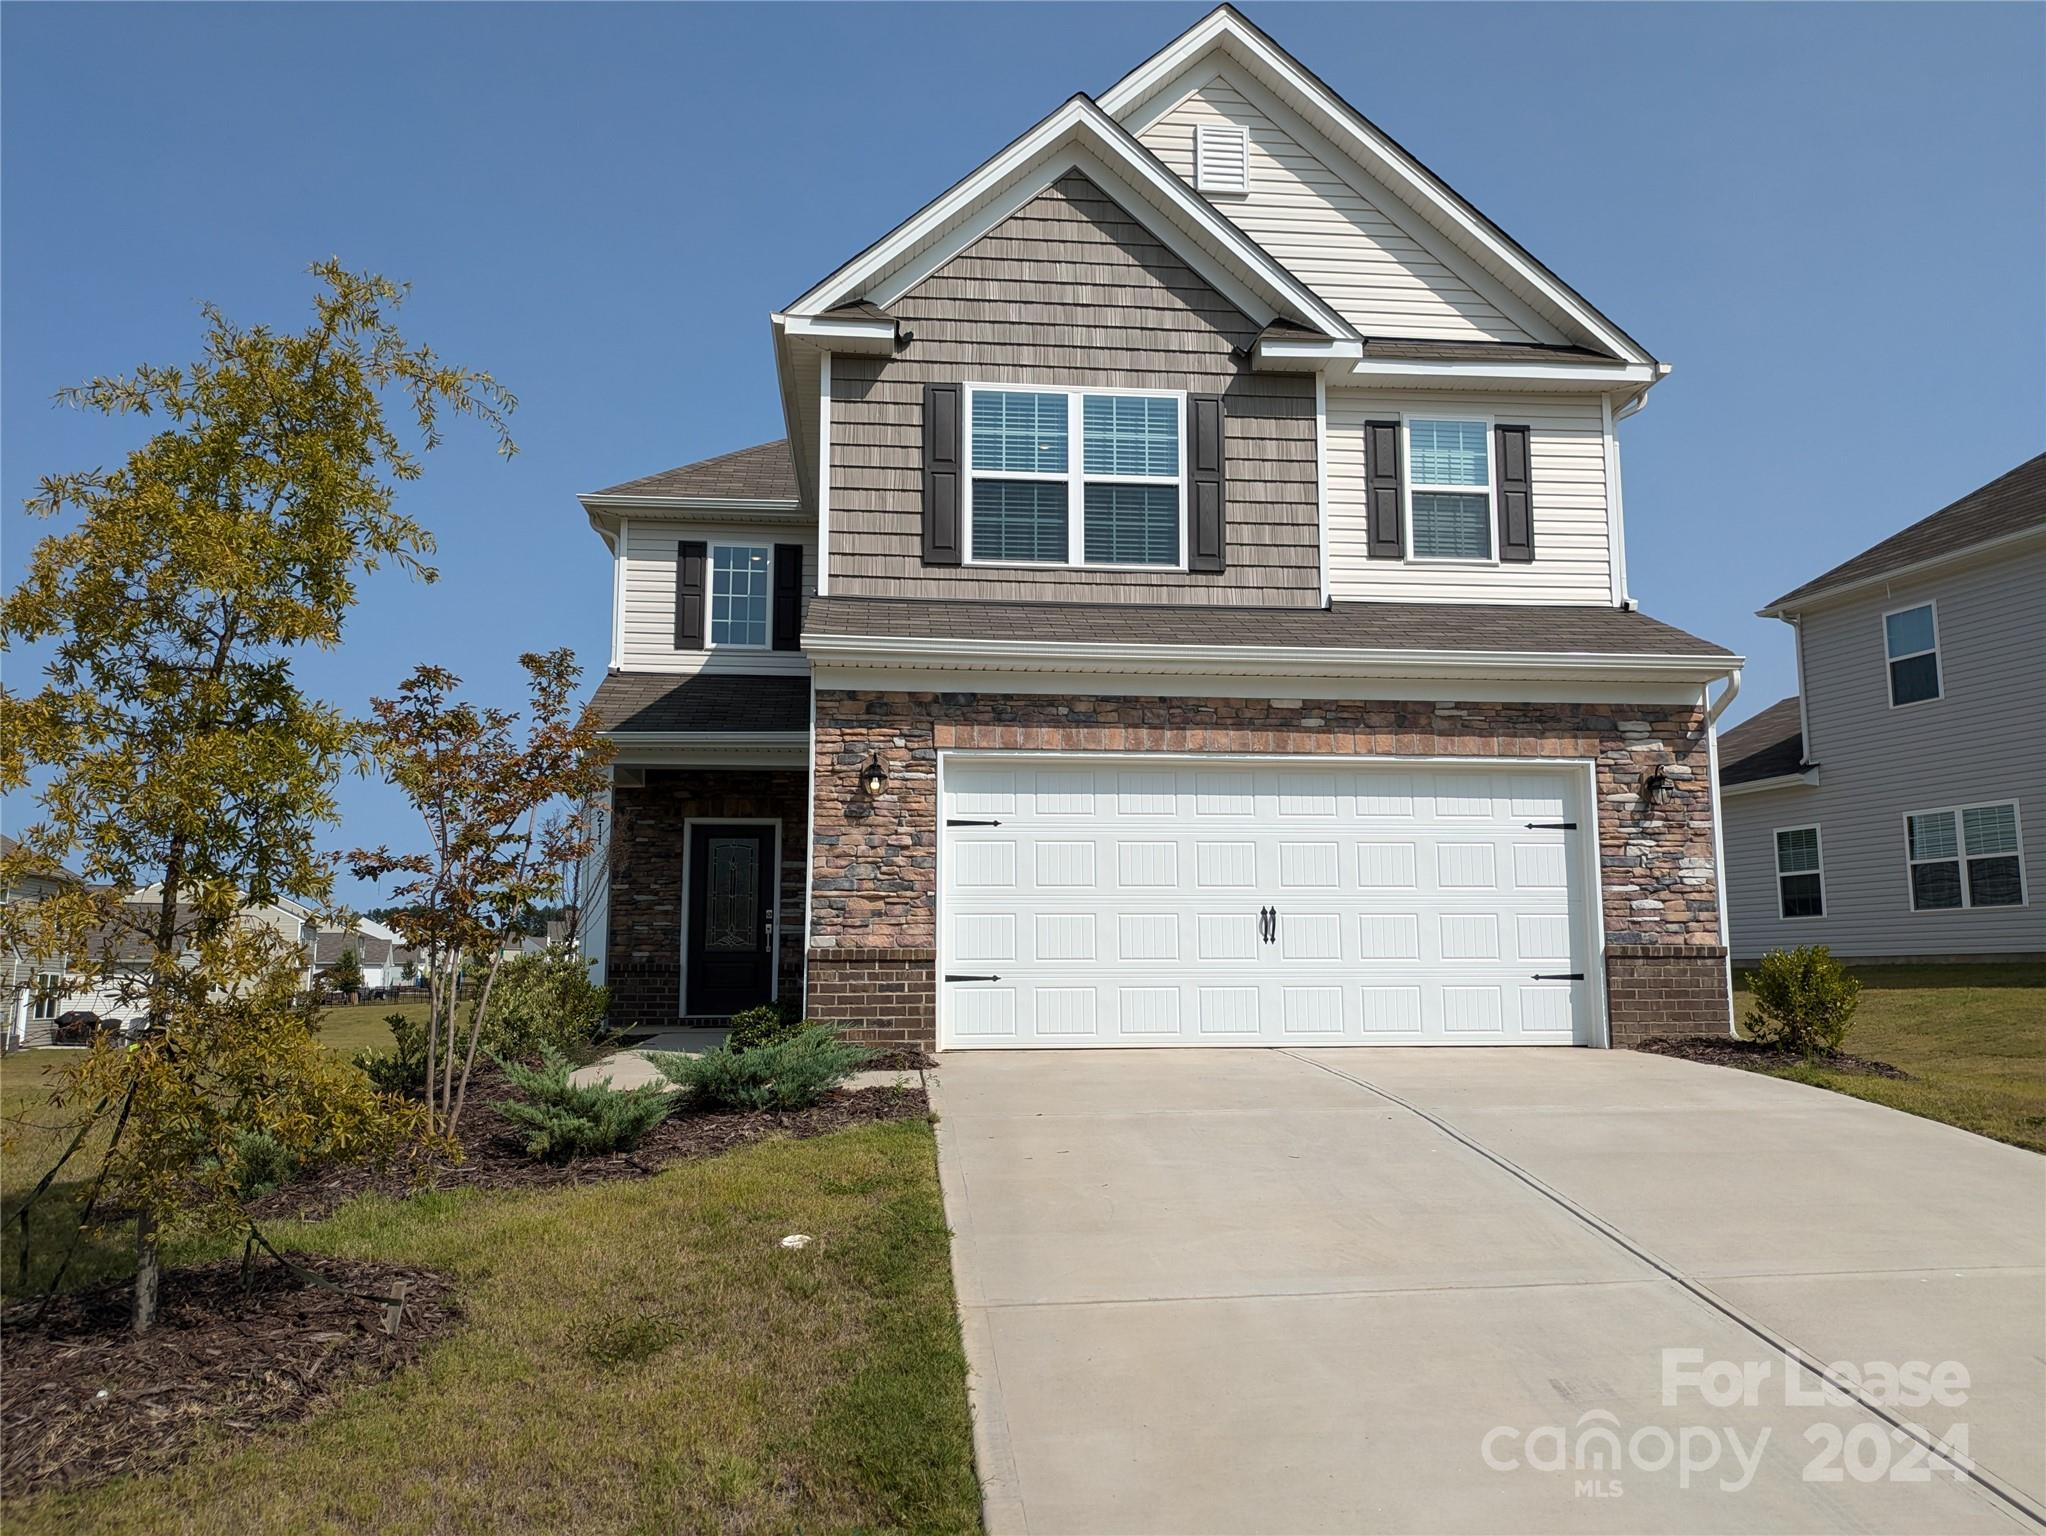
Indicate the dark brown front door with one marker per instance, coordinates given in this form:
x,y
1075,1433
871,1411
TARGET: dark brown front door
x,y
732,886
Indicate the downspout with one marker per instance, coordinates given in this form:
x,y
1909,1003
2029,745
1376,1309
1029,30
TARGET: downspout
x,y
1712,713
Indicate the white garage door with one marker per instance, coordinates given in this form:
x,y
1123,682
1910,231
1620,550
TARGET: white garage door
x,y
1120,902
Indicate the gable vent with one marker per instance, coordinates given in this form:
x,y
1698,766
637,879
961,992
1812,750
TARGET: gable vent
x,y
1221,158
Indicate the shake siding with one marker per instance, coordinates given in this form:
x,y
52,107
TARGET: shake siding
x,y
1566,446
1070,291
1984,740
651,550
1327,233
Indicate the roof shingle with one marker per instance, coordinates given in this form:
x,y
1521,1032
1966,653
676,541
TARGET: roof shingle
x,y
764,472
1766,747
1362,626
2011,503
640,702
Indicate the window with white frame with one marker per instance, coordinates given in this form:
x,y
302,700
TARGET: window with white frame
x,y
1968,856
741,593
1911,641
1449,489
1800,875
1033,499
49,991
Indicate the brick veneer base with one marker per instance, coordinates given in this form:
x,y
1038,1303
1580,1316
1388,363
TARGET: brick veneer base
x,y
1665,990
874,879
879,996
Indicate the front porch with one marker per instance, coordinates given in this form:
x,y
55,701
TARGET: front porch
x,y
706,898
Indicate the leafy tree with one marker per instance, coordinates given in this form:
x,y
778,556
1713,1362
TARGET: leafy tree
x,y
175,742
345,974
503,816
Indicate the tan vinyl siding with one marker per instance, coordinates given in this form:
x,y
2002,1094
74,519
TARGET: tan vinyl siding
x,y
1070,290
1983,740
1328,233
648,638
1566,448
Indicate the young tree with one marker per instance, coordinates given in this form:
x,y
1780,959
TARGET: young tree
x,y
345,974
503,818
175,741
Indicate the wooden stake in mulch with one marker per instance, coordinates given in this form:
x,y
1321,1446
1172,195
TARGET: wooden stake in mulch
x,y
393,1304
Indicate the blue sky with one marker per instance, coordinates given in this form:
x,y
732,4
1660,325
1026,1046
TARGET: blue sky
x,y
1830,219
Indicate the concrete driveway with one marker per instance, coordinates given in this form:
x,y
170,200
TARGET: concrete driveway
x,y
1432,1290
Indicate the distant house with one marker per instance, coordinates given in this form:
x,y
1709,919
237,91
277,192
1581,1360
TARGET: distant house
x,y
1894,808
385,959
32,982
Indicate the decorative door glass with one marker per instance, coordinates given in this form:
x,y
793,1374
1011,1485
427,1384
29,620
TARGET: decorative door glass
x,y
732,902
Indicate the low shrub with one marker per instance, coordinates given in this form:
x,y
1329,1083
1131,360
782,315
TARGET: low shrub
x,y
543,999
402,1069
1804,1000
789,1074
262,1163
563,1121
769,1024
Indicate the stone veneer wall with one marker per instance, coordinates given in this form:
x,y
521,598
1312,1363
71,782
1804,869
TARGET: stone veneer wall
x,y
643,962
872,935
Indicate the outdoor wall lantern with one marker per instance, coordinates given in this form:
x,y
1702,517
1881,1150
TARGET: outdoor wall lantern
x,y
1656,788
873,777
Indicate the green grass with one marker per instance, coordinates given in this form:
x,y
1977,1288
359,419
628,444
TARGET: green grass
x,y
1973,1038
636,1356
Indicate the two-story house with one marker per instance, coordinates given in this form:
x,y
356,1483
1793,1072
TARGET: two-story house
x,y
1189,607
1894,807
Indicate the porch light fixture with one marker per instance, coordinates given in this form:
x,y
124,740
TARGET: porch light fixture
x,y
873,777
1656,787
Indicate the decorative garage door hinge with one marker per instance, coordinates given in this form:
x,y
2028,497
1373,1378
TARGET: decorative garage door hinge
x,y
972,978
960,822
1553,826
1559,976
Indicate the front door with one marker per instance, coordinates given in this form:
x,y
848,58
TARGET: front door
x,y
731,917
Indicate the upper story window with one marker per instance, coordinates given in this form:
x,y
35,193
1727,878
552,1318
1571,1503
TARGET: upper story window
x,y
1449,489
1116,501
1969,856
740,594
1800,877
1911,641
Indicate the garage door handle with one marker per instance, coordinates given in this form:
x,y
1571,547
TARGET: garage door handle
x,y
973,978
1559,976
1267,923
1552,826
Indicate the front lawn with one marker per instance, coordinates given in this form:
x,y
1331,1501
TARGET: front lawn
x,y
638,1355
1973,1038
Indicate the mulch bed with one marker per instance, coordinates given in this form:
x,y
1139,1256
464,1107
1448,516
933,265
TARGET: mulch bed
x,y
494,1156
84,1399
1754,1057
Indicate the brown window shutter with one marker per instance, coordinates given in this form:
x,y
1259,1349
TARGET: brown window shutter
x,y
1516,493
1382,491
689,612
788,596
1207,484
943,468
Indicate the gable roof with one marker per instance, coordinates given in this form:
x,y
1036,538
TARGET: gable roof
x,y
746,476
2011,505
1227,30
1770,746
1076,135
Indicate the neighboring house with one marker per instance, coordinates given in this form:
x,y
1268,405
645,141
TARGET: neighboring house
x,y
1189,608
33,984
383,957
1895,807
